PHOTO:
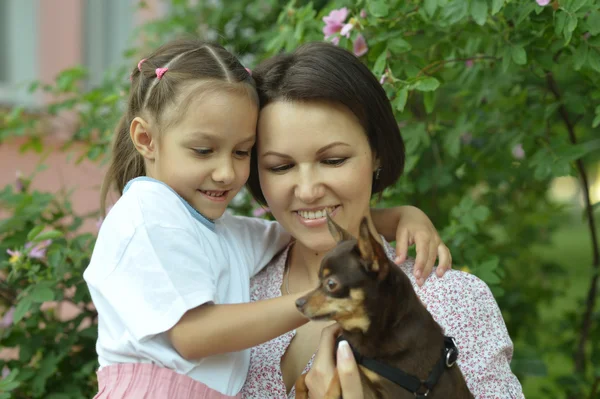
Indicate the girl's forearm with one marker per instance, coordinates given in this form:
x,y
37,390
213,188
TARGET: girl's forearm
x,y
214,329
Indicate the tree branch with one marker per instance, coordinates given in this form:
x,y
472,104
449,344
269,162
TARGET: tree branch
x,y
592,292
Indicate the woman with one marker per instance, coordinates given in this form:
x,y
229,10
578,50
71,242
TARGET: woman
x,y
328,141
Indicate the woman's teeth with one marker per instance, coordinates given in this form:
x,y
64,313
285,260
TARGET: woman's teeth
x,y
316,214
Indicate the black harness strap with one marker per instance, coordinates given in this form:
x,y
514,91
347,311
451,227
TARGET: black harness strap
x,y
409,382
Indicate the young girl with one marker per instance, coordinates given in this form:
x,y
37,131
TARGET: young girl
x,y
170,270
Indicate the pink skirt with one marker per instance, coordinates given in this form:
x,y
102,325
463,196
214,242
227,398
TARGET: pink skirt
x,y
148,381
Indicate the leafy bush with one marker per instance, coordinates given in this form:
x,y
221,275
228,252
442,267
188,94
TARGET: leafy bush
x,y
495,99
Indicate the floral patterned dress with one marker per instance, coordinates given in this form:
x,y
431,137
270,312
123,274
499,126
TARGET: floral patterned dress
x,y
460,302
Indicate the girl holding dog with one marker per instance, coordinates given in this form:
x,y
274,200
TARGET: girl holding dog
x,y
170,271
327,142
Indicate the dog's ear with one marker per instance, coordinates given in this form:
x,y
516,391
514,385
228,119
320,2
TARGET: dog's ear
x,y
371,251
338,233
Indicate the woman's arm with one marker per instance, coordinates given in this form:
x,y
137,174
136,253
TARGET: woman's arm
x,y
213,329
484,345
408,225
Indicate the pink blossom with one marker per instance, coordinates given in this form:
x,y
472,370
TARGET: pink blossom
x,y
469,63
335,40
518,152
542,2
334,22
383,78
38,251
360,46
363,13
258,212
5,372
14,255
346,30
7,319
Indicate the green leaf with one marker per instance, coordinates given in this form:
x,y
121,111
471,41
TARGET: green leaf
x,y
427,84
576,5
559,24
570,26
429,101
41,293
34,232
596,121
580,55
593,22
400,100
398,45
380,63
21,309
506,59
378,8
479,10
48,235
593,59
497,6
430,6
519,56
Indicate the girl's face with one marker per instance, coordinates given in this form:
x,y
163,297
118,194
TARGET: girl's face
x,y
205,155
314,157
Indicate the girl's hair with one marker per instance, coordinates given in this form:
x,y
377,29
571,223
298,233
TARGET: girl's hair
x,y
325,72
154,91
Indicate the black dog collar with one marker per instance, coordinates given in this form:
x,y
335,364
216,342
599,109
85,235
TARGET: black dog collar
x,y
409,382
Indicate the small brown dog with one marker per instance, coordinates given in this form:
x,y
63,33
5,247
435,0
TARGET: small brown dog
x,y
401,351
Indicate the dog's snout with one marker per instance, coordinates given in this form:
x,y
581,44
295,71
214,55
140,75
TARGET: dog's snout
x,y
300,302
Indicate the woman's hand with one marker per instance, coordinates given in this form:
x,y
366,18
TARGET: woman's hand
x,y
409,226
323,374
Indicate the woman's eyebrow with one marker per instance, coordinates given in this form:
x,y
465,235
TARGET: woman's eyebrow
x,y
275,153
334,144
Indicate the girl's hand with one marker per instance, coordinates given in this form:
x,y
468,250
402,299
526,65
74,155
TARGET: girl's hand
x,y
323,370
413,227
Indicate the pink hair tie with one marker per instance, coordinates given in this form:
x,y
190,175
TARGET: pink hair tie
x,y
140,64
249,71
160,72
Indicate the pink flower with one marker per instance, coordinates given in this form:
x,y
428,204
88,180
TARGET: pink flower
x,y
469,63
335,40
383,78
258,212
360,46
5,372
542,2
346,30
334,22
38,251
14,256
363,13
518,152
7,319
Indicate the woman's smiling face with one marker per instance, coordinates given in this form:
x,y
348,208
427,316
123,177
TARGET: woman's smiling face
x,y
314,157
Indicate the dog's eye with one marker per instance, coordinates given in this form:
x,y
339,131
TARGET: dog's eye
x,y
331,284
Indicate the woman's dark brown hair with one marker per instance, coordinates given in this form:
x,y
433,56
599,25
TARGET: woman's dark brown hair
x,y
324,72
189,62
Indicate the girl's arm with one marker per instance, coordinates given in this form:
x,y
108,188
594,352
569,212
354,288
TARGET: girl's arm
x,y
408,226
213,329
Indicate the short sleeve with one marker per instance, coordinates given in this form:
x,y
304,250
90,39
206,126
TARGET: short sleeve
x,y
260,239
161,275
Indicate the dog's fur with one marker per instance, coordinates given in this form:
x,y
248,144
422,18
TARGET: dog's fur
x,y
381,317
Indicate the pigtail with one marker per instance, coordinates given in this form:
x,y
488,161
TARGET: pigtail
x,y
126,163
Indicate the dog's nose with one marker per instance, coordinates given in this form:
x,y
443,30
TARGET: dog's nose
x,y
300,302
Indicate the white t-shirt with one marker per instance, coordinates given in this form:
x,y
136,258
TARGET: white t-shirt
x,y
156,258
